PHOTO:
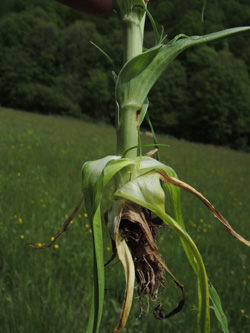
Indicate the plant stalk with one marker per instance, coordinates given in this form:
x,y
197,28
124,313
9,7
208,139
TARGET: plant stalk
x,y
128,115
133,32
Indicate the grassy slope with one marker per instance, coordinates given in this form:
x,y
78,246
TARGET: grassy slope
x,y
49,291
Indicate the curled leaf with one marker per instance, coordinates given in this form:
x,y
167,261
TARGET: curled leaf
x,y
166,178
122,249
113,223
129,269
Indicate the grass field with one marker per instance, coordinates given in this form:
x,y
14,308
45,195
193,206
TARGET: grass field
x,y
40,181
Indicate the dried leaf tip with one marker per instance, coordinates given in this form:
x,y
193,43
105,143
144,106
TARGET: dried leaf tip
x,y
176,182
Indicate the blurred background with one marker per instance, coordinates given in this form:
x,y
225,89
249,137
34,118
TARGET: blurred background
x,y
48,65
56,112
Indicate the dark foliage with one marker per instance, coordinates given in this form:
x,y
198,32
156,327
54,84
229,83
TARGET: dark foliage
x,y
48,65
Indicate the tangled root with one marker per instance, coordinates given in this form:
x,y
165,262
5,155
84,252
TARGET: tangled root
x,y
140,229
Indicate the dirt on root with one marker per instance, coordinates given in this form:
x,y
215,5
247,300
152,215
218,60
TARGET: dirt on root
x,y
140,229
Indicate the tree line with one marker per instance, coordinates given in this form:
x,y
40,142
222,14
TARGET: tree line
x,y
48,65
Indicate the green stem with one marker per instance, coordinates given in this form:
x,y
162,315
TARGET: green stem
x,y
128,115
133,31
127,134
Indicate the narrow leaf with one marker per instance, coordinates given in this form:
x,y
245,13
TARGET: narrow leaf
x,y
216,214
203,10
143,71
217,307
153,133
98,294
115,68
151,19
129,269
96,175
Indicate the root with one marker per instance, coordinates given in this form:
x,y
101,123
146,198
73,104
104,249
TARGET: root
x,y
63,229
140,229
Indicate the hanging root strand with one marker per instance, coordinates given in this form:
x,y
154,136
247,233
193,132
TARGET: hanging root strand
x,y
63,229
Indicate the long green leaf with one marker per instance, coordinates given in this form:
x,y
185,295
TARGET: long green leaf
x,y
146,191
96,175
217,307
115,68
143,70
98,290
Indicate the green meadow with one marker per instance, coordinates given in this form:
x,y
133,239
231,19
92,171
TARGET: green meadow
x,y
40,181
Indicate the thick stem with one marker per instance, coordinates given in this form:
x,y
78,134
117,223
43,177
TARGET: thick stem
x,y
127,116
133,31
127,134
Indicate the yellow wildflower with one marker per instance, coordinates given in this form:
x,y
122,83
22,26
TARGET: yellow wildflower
x,y
85,215
56,246
22,236
20,220
52,238
108,248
